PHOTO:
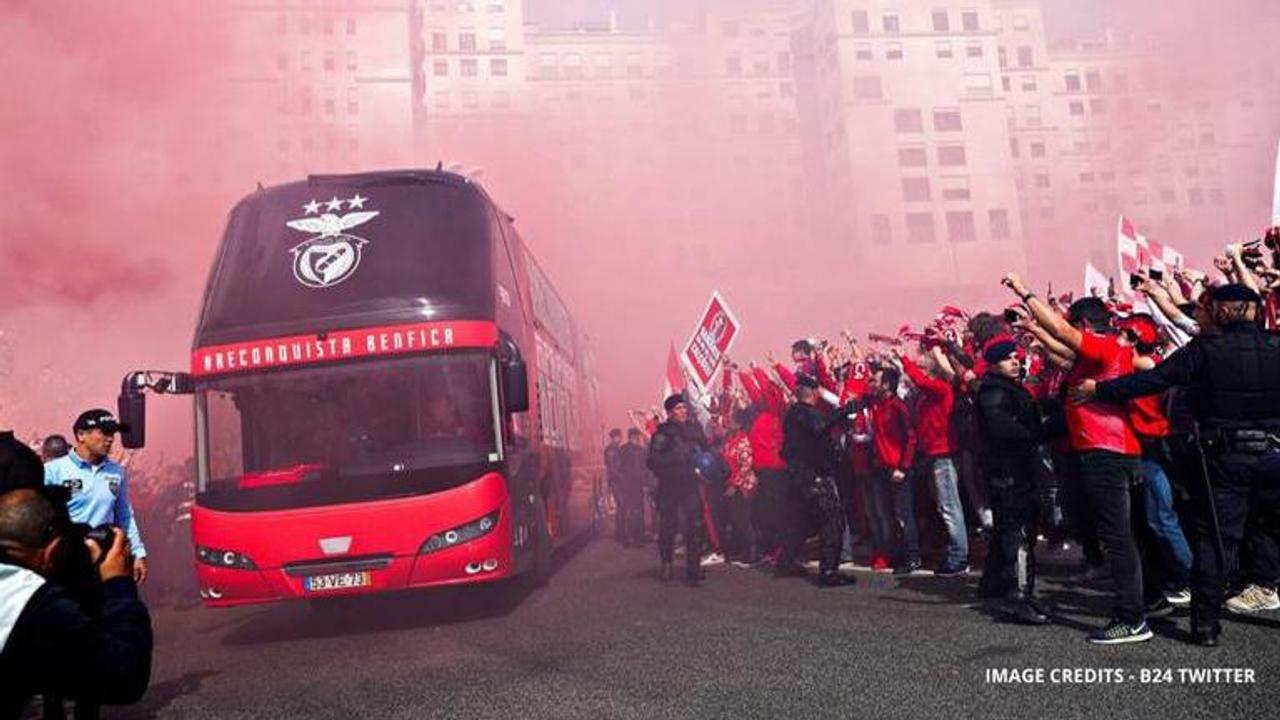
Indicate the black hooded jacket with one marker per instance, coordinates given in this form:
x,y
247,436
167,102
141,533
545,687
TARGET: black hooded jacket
x,y
1009,421
671,456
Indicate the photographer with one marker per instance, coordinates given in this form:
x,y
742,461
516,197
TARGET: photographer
x,y
47,643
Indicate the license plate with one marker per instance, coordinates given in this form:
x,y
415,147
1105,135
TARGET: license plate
x,y
337,581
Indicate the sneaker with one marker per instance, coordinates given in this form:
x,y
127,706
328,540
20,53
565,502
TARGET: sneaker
x,y
909,567
1252,599
880,563
948,570
1179,598
1120,631
1160,606
714,558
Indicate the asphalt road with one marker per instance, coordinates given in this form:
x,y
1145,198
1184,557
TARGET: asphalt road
x,y
606,640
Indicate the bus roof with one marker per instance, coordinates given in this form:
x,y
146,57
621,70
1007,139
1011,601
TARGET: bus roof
x,y
349,251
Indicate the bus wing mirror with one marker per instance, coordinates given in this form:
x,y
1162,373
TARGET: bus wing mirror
x,y
515,386
133,416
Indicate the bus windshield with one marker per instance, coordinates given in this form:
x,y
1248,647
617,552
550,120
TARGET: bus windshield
x,y
346,433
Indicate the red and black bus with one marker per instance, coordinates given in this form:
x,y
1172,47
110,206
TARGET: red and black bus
x,y
389,393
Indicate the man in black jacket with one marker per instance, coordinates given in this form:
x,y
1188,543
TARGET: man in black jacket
x,y
20,466
671,458
630,489
1010,426
47,643
810,453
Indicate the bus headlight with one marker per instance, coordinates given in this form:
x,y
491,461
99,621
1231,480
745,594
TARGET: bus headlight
x,y
460,534
224,558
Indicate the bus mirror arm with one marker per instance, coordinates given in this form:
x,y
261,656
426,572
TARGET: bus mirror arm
x,y
132,403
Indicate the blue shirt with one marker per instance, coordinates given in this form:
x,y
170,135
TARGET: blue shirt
x,y
99,494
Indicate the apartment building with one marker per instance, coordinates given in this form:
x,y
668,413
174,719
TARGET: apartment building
x,y
337,77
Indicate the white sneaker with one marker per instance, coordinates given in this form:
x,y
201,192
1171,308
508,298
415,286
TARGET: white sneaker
x,y
988,520
1254,599
1179,598
713,559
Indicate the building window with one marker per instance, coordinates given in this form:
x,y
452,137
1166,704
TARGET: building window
x,y
947,120
955,188
920,228
497,39
1037,148
467,40
282,24
973,50
440,68
784,62
951,155
943,50
862,51
1014,150
351,60
1026,58
969,20
1098,106
351,26
634,68
1029,83
867,87
439,41
1004,83
1093,80
861,23
353,101
330,63
960,227
1042,180
1020,22
912,157
730,29
979,84
915,189
498,67
1073,82
881,230
1216,196
999,221
941,22
1033,115
1004,57
908,120
468,67
733,65
893,51
1196,196
1077,107
891,23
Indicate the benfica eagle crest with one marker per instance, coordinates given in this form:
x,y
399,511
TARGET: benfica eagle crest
x,y
331,254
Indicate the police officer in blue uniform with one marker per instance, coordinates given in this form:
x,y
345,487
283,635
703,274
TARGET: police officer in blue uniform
x,y
98,485
1231,373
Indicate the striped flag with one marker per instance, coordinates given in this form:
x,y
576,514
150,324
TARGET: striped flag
x,y
1136,252
1095,283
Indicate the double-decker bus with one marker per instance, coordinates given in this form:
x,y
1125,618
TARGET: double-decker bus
x,y
389,393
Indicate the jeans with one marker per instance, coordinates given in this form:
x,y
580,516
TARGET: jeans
x,y
948,497
1164,525
1107,478
681,511
893,505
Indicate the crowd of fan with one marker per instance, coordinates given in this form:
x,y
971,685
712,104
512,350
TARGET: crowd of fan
x,y
917,461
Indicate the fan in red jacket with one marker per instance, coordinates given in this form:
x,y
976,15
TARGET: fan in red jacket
x,y
765,436
891,495
935,402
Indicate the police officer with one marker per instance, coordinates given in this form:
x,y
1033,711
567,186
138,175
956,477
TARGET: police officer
x,y
1009,422
810,454
98,485
1232,377
672,453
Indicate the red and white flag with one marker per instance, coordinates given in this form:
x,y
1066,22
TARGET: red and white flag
x,y
1095,283
1136,252
711,340
674,382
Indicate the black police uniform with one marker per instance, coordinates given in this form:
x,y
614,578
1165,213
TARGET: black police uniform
x,y
630,492
1232,382
1010,425
810,454
671,458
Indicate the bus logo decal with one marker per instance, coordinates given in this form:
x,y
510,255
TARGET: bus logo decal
x,y
331,254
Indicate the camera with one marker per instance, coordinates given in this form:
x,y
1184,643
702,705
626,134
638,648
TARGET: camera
x,y
103,536
1135,281
1155,274
1012,316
